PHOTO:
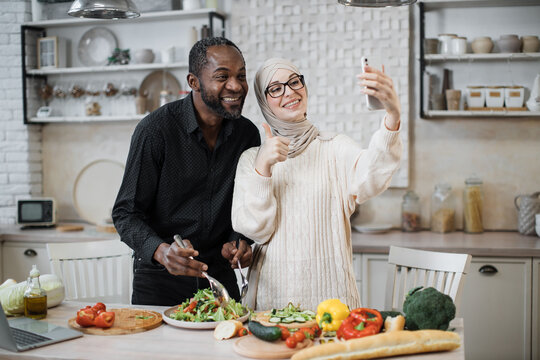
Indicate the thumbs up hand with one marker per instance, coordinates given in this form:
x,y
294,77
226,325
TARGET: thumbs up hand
x,y
274,150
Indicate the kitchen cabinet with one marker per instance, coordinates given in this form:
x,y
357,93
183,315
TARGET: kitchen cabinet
x,y
18,258
497,296
536,309
472,19
158,31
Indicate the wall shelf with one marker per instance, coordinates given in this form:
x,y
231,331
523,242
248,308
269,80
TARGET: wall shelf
x,y
108,68
145,17
491,56
479,114
86,119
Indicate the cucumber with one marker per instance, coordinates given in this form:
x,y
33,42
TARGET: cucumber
x,y
266,333
299,319
274,320
288,320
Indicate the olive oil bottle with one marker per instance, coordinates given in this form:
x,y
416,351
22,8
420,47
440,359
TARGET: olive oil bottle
x,y
35,298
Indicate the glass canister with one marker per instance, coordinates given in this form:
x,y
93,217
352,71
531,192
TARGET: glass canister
x,y
473,199
442,209
410,212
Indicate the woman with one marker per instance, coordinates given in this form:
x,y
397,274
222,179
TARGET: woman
x,y
294,195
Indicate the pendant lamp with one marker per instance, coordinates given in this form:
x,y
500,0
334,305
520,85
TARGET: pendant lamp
x,y
376,3
104,9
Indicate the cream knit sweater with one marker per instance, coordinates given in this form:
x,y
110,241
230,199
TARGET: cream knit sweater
x,y
302,212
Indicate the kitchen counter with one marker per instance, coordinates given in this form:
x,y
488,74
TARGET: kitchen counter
x,y
489,243
51,235
164,342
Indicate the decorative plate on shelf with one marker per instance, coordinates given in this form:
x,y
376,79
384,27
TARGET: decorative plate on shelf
x,y
154,83
191,324
373,228
95,46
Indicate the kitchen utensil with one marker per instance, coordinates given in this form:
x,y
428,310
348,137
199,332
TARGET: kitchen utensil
x,y
373,228
126,321
458,45
95,189
453,99
244,290
154,83
220,293
253,347
95,46
528,206
445,41
206,325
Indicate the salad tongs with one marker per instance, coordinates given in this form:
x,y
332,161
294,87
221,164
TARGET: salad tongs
x,y
220,293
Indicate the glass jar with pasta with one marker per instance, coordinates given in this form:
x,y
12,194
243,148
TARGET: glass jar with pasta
x,y
442,209
473,200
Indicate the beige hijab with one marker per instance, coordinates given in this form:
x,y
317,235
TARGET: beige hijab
x,y
301,133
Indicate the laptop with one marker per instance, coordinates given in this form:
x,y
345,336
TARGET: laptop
x,y
20,334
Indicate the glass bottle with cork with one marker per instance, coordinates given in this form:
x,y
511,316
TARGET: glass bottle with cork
x,y
473,200
410,212
35,298
442,209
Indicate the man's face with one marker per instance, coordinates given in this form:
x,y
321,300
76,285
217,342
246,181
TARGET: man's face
x,y
223,81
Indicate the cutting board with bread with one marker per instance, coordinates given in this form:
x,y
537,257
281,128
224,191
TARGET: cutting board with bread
x,y
252,347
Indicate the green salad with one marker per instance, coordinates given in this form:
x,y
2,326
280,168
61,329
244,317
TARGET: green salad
x,y
202,307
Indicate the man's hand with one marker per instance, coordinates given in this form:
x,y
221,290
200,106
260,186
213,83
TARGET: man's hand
x,y
275,149
231,253
177,260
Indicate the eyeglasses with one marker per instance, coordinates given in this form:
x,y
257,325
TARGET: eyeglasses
x,y
278,89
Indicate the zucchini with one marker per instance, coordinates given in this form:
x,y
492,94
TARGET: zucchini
x,y
266,333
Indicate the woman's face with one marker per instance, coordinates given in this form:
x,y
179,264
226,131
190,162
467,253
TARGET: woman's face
x,y
292,105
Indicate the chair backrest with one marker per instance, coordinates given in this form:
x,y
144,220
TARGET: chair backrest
x,y
409,268
94,270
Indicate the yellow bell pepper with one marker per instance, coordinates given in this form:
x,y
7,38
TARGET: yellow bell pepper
x,y
330,314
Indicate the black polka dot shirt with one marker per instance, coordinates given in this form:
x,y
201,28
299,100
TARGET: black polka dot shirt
x,y
174,184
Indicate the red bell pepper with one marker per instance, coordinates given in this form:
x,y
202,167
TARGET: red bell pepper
x,y
359,323
105,319
99,307
86,317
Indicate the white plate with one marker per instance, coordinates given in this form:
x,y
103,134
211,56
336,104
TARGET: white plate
x,y
373,228
191,324
95,46
95,190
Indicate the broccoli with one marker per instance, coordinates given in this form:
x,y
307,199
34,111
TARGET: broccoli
x,y
428,309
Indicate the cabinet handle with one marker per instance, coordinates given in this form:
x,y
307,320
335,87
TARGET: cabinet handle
x,y
488,270
30,252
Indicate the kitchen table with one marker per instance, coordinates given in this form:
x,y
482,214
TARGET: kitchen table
x,y
164,342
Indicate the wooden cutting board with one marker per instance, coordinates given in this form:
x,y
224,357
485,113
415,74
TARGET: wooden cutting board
x,y
126,321
263,319
253,347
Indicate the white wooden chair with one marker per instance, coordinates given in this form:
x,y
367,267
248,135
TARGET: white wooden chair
x,y
409,268
94,271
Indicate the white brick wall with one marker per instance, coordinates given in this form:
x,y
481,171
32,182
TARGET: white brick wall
x,y
326,41
20,145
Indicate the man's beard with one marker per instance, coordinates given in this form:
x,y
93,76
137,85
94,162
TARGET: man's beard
x,y
215,105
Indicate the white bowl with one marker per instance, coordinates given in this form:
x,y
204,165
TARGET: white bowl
x,y
144,56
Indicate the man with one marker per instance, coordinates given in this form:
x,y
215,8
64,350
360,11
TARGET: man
x,y
179,179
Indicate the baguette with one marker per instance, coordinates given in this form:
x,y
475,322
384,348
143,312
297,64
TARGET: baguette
x,y
383,345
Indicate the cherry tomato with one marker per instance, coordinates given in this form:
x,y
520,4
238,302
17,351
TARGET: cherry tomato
x,y
317,330
299,336
291,342
285,333
308,332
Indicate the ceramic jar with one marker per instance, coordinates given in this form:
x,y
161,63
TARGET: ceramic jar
x,y
495,96
482,45
530,43
431,46
509,43
514,96
476,96
458,45
445,43
144,56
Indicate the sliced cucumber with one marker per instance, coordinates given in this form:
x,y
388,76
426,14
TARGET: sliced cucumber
x,y
274,320
299,319
288,320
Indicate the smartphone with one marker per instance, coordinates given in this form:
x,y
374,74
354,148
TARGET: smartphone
x,y
372,102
